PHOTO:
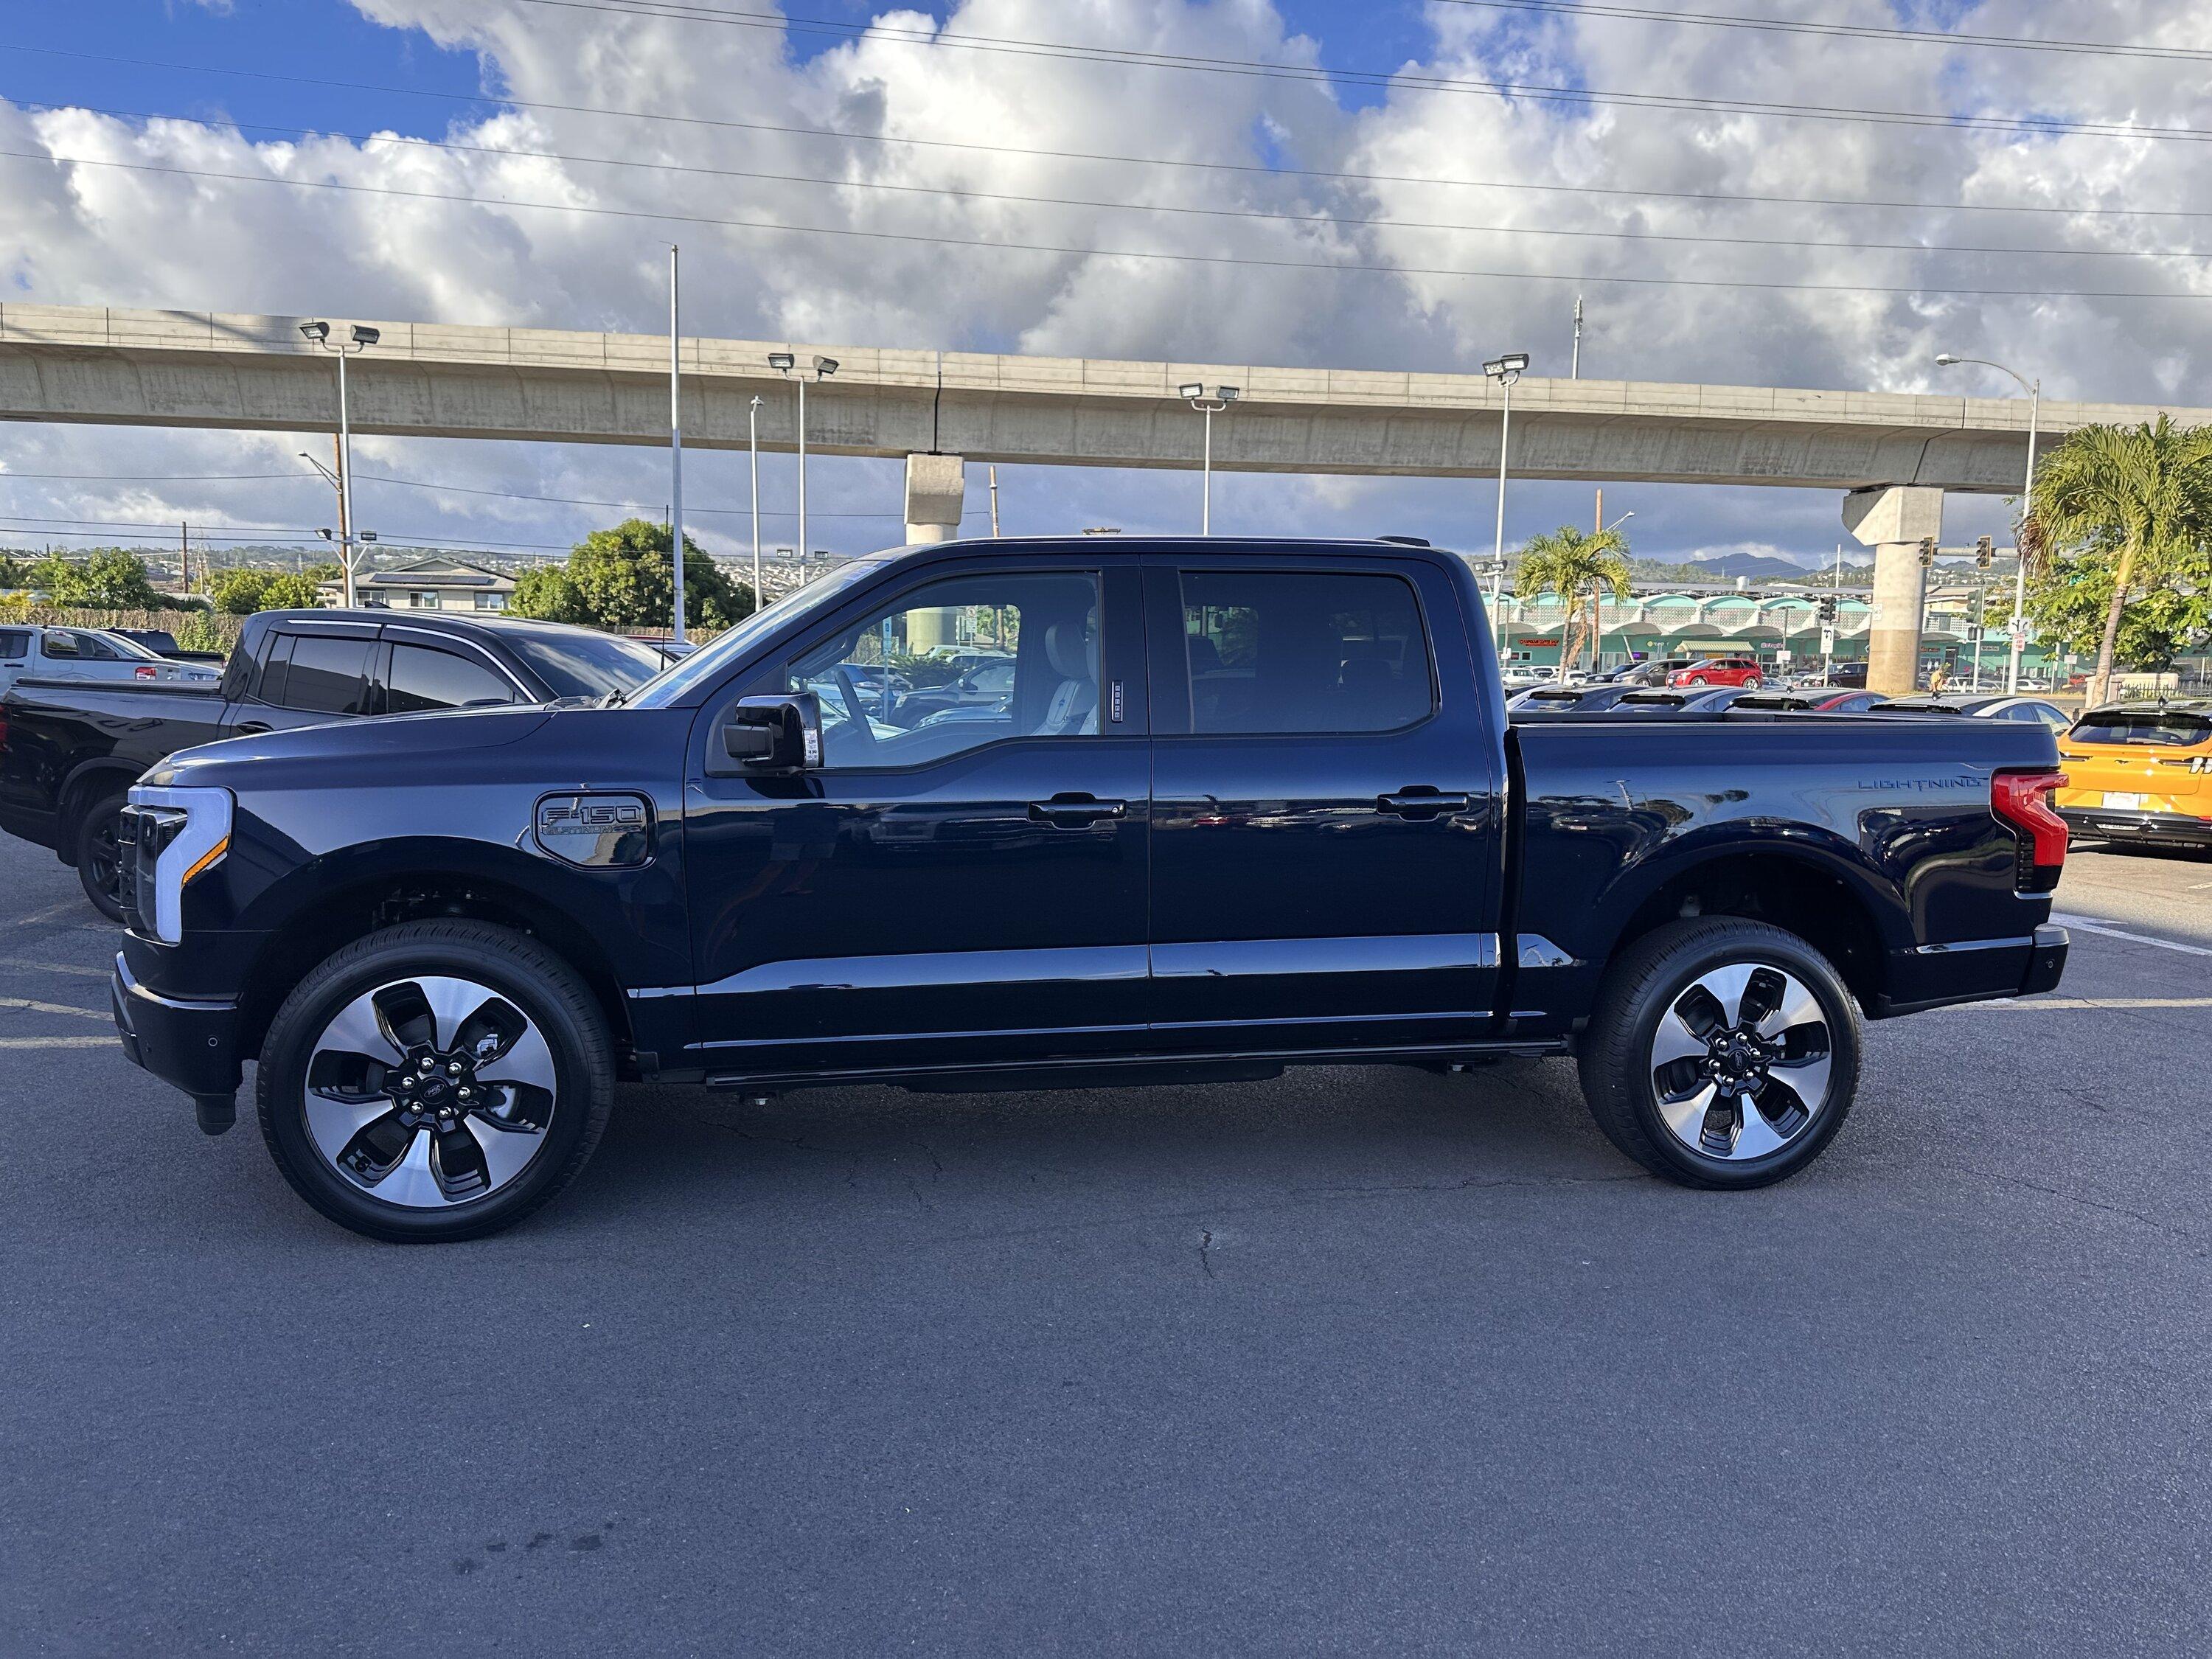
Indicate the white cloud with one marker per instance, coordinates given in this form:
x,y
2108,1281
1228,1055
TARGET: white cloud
x,y
103,235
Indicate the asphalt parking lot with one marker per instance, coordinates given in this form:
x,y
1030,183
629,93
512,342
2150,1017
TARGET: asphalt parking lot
x,y
1374,1362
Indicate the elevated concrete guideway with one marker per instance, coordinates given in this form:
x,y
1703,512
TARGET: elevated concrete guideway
x,y
217,370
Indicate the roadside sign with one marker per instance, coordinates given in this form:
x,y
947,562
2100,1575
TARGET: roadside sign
x,y
1781,656
1827,642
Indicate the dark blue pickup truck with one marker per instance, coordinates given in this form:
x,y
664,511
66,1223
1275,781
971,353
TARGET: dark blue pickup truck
x,y
1233,806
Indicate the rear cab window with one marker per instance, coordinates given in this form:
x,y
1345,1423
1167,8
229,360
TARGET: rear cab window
x,y
1315,652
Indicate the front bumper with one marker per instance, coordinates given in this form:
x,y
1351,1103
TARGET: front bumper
x,y
193,1045
2176,829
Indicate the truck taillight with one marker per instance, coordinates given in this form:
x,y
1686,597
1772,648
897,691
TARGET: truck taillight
x,y
2021,802
146,672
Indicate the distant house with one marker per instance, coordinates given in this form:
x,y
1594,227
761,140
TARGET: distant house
x,y
430,584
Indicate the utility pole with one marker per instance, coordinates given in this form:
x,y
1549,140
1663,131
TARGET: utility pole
x,y
184,557
676,438
994,502
1575,369
752,435
346,592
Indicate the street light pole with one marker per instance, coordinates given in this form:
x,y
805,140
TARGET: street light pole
x,y
786,365
363,338
676,441
1506,370
752,433
2034,390
1208,404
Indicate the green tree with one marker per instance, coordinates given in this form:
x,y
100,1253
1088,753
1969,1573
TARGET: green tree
x,y
107,579
238,593
13,572
1581,567
2118,510
546,591
625,578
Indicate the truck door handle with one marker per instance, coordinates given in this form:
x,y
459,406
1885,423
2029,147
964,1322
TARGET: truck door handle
x,y
1419,800
1076,812
246,729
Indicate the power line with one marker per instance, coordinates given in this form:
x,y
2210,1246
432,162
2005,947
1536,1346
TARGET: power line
x,y
1588,278
725,123
670,10
1843,31
1338,221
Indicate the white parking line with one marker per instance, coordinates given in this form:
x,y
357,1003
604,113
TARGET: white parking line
x,y
2091,925
29,1007
58,1043
107,972
2033,1003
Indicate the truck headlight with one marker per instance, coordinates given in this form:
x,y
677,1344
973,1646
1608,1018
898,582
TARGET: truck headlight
x,y
182,833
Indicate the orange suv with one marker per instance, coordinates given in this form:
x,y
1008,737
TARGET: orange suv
x,y
2139,772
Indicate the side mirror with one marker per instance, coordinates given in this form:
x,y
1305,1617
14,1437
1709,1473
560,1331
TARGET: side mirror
x,y
773,734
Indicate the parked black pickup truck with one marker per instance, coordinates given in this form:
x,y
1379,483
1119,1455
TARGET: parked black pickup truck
x,y
69,750
1242,805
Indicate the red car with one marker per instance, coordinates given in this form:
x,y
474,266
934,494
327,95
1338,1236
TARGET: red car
x,y
1720,671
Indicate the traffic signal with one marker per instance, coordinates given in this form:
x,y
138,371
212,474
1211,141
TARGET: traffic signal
x,y
1986,553
1827,608
1927,551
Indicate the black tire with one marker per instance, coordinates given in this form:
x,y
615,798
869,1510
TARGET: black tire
x,y
521,971
1643,984
98,856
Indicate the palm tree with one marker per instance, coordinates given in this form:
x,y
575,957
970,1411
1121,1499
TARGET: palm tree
x,y
1578,566
2140,497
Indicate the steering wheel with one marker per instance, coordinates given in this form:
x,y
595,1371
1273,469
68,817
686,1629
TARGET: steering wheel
x,y
848,689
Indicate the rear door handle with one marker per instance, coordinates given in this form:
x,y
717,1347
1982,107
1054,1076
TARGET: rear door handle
x,y
1419,800
1077,812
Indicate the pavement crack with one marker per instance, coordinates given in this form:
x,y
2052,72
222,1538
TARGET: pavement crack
x,y
2181,1234
1206,1252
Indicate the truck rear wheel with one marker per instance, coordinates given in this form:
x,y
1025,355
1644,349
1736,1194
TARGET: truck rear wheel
x,y
99,853
435,1081
1723,1053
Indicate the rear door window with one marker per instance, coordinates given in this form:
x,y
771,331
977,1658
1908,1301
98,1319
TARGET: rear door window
x,y
424,678
327,674
15,644
1324,652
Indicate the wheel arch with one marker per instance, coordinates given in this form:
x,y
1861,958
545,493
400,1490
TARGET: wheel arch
x,y
1825,899
326,907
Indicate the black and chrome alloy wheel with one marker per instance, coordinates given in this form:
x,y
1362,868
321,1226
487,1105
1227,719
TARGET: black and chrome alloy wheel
x,y
437,1080
430,1091
1740,1062
1722,1052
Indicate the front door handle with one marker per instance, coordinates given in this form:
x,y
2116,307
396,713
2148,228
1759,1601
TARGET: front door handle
x,y
248,728
1077,812
1419,800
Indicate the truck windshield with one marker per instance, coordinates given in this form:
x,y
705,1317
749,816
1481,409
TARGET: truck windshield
x,y
583,663
703,666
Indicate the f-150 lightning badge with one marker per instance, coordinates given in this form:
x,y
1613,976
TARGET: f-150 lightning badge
x,y
596,832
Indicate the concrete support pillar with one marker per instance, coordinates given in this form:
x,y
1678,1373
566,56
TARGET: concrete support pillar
x,y
1893,520
936,488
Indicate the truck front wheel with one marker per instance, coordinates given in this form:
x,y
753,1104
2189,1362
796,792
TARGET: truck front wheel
x,y
438,1080
1722,1053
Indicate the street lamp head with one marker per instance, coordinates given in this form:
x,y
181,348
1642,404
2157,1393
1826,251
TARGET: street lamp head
x,y
825,367
783,362
317,332
325,535
1193,390
1229,394
1513,362
1949,360
364,336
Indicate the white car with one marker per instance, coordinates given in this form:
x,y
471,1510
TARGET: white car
x,y
89,653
